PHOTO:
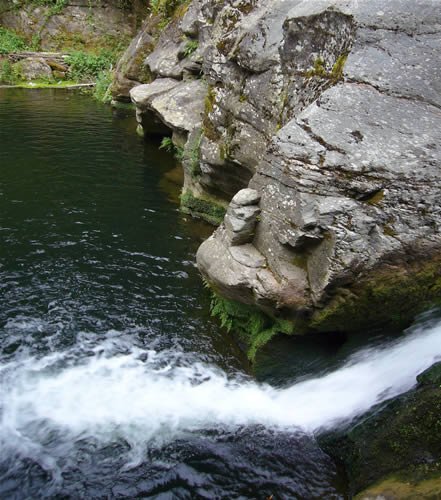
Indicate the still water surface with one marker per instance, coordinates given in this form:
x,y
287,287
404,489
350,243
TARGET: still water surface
x,y
114,381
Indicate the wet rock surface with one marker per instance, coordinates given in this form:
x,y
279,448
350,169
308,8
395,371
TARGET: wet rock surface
x,y
396,445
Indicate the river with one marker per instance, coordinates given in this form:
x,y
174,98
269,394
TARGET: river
x,y
115,382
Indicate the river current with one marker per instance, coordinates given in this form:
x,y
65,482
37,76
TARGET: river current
x,y
114,381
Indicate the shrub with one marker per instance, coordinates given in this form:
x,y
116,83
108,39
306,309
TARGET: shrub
x,y
168,145
8,76
190,47
101,90
85,66
11,42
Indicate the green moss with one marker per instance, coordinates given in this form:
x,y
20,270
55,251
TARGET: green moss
x,y
202,208
401,440
210,100
387,298
42,84
337,70
192,151
253,327
168,10
389,231
403,489
319,69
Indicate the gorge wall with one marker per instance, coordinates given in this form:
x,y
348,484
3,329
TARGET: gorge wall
x,y
331,112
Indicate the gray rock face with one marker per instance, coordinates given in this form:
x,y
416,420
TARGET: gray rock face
x,y
331,112
131,69
351,181
179,104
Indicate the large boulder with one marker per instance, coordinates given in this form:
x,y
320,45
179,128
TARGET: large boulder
x,y
349,227
33,68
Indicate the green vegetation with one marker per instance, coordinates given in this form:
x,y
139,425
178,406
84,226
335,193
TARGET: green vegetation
x,y
166,8
202,208
8,75
190,47
191,156
97,68
336,73
168,145
101,92
11,42
85,66
397,444
253,327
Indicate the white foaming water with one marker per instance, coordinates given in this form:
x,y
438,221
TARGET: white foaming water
x,y
141,397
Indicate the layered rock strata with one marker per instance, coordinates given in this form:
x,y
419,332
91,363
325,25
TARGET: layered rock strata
x,y
331,111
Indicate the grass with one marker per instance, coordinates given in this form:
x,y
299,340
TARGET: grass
x,y
41,84
101,91
8,74
86,66
11,42
190,47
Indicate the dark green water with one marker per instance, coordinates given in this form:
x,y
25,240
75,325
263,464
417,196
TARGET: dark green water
x,y
104,327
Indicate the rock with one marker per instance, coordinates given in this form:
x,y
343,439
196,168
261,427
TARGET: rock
x,y
77,24
330,111
246,197
143,95
33,68
131,69
349,183
179,105
394,442
58,75
240,223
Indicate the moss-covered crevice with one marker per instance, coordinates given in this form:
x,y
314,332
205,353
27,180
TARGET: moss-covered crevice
x,y
388,298
202,208
334,75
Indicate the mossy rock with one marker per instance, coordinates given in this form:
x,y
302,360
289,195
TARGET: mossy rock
x,y
403,489
388,298
403,439
202,208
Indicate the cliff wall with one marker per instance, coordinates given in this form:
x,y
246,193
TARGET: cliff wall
x,y
330,112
